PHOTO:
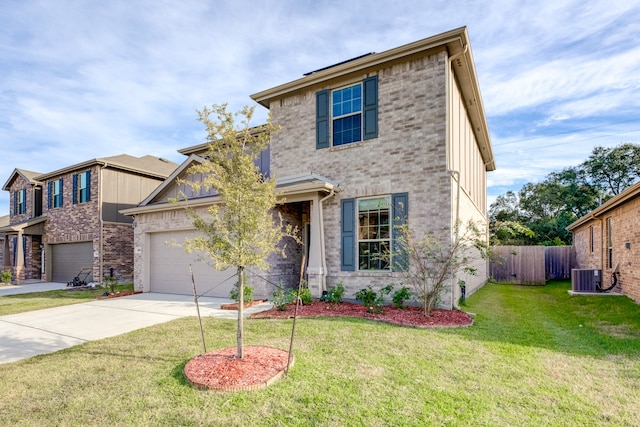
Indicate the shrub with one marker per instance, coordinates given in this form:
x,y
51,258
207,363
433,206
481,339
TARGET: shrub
x,y
281,298
247,293
5,277
400,296
334,296
372,300
111,283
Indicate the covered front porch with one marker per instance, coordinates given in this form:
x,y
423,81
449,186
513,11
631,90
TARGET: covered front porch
x,y
304,195
23,250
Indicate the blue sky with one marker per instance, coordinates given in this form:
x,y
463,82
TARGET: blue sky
x,y
83,79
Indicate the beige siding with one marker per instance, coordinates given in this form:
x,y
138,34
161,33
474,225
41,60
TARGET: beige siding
x,y
123,190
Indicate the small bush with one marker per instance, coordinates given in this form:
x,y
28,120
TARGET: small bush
x,y
281,298
400,296
111,283
5,277
372,300
247,294
334,296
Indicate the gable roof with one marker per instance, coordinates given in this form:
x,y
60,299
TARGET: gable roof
x,y
28,176
627,195
455,42
146,165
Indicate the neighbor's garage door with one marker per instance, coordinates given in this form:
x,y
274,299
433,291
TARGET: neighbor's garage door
x,y
67,259
169,266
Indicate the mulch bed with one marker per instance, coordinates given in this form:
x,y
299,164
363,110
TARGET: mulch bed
x,y
221,370
118,294
410,316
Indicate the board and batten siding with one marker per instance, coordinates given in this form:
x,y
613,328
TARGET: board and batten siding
x,y
464,154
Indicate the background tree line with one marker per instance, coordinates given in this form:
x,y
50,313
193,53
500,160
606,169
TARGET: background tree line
x,y
539,213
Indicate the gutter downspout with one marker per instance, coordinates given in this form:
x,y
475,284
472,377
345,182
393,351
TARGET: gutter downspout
x,y
323,257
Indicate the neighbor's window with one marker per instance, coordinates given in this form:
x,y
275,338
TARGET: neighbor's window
x,y
55,193
346,113
610,242
591,241
374,233
81,183
20,202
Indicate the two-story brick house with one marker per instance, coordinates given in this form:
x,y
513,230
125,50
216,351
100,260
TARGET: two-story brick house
x,y
398,134
67,220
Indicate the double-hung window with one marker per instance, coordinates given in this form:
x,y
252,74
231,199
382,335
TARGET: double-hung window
x,y
610,242
374,233
55,194
347,114
81,187
370,231
20,202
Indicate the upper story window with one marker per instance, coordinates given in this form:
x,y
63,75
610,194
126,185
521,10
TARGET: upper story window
x,y
82,187
55,193
348,114
20,202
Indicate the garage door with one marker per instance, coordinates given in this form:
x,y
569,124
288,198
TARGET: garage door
x,y
68,259
169,266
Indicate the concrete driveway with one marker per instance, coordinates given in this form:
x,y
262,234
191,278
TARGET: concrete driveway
x,y
28,334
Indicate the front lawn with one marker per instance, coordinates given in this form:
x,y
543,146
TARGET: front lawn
x,y
534,357
19,303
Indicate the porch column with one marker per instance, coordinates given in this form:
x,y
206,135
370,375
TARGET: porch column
x,y
6,254
19,252
315,272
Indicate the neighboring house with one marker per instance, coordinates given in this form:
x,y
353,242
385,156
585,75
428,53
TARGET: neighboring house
x,y
387,137
68,220
607,239
4,221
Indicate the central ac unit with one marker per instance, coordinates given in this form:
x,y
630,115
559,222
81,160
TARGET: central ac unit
x,y
586,280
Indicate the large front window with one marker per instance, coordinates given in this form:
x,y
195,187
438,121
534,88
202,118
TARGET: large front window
x,y
346,113
374,233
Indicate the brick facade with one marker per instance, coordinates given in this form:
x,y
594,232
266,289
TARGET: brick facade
x,y
624,216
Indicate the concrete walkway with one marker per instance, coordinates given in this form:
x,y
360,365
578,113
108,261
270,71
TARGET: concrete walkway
x,y
45,331
30,287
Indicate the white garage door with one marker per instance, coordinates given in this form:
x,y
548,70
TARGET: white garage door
x,y
68,259
169,266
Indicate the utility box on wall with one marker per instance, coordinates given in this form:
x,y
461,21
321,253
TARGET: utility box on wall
x,y
586,280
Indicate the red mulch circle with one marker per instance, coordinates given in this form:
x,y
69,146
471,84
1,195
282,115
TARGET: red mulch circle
x,y
410,316
221,370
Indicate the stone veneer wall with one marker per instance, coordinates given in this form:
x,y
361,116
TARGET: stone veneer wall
x,y
409,154
117,251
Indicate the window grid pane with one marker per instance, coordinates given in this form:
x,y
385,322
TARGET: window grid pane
x,y
374,234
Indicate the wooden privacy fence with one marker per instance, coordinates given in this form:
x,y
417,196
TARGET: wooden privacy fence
x,y
532,265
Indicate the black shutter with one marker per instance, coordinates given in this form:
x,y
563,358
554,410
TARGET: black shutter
x,y
370,108
400,205
74,195
348,235
88,185
322,119
49,194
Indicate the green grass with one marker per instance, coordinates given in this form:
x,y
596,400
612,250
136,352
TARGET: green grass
x,y
534,357
20,303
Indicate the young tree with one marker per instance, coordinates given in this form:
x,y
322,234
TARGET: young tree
x,y
243,230
434,261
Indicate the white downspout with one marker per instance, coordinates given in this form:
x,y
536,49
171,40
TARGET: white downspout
x,y
323,257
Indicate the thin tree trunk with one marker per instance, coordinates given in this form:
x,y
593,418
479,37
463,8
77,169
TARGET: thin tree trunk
x,y
240,309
